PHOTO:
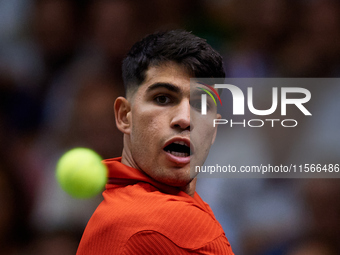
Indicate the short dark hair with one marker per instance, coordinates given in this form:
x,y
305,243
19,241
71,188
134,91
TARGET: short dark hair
x,y
179,46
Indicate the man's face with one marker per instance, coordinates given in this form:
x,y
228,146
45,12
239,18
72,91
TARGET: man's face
x,y
164,125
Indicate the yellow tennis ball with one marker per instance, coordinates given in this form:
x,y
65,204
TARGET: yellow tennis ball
x,y
81,173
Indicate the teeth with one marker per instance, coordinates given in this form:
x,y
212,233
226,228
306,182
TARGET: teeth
x,y
178,154
180,143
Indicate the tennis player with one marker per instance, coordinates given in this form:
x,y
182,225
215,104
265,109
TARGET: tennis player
x,y
150,205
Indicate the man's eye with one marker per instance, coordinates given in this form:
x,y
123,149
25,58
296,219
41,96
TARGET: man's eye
x,y
196,104
162,99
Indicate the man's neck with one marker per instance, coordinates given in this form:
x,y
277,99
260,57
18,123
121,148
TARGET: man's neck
x,y
190,188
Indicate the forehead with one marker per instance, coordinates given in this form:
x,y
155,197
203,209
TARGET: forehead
x,y
169,73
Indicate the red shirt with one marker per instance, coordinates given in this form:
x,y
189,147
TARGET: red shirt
x,y
141,216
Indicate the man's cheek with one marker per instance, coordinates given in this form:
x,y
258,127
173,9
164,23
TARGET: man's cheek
x,y
201,142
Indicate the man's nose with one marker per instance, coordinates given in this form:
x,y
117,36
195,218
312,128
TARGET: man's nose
x,y
181,116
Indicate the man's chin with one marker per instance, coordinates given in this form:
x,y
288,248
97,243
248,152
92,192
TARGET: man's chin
x,y
178,181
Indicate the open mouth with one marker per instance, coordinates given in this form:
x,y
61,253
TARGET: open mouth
x,y
178,149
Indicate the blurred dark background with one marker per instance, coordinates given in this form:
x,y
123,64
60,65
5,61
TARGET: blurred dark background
x,y
60,71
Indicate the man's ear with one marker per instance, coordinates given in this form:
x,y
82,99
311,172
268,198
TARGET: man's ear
x,y
218,116
122,110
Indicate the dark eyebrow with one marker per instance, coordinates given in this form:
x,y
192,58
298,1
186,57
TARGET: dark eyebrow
x,y
165,85
197,92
